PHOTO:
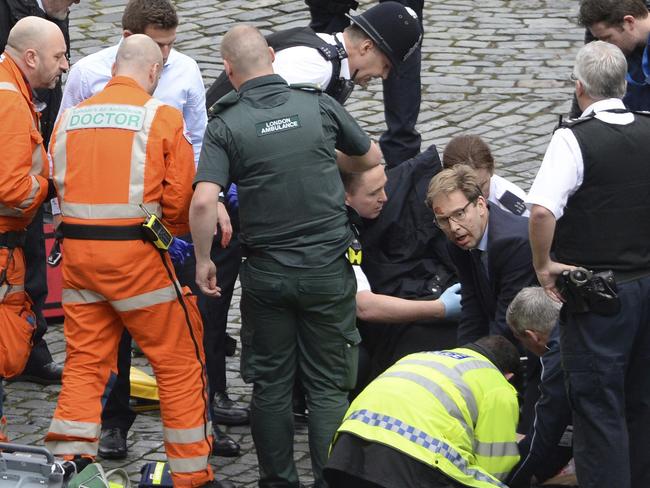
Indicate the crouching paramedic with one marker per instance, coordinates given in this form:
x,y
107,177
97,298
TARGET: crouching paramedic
x,y
116,157
34,58
441,419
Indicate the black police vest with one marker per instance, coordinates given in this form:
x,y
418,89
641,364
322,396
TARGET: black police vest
x,y
605,223
298,36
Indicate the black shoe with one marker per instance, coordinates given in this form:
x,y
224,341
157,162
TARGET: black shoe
x,y
47,374
227,412
231,346
112,444
224,445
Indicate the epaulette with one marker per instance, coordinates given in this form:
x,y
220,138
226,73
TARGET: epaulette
x,y
224,102
569,123
310,87
512,202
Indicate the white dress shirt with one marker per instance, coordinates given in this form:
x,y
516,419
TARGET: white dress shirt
x,y
302,64
180,86
562,169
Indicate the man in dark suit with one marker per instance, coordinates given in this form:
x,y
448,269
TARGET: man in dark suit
x,y
491,251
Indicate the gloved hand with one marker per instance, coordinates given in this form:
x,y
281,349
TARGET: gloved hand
x,y
232,199
451,300
180,250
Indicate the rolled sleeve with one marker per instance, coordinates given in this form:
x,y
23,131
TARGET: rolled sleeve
x,y
560,174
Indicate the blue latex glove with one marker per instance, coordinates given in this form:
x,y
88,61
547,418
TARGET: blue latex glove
x,y
232,199
180,250
451,299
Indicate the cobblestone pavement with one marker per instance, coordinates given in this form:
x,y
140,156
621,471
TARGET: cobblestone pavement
x,y
492,67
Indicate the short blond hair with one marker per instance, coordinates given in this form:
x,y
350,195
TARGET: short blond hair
x,y
457,178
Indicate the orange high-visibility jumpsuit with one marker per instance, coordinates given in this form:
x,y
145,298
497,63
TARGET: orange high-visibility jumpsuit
x,y
112,153
23,187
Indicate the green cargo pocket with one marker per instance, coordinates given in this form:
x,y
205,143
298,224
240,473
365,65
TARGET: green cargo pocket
x,y
347,376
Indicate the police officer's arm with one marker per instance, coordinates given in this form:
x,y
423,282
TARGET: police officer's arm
x,y
19,190
541,229
372,307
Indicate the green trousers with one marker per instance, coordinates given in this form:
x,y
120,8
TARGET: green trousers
x,y
297,321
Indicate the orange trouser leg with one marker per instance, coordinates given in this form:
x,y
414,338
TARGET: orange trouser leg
x,y
92,332
176,355
3,429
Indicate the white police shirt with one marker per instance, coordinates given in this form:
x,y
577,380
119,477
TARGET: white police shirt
x,y
562,169
303,64
180,86
507,196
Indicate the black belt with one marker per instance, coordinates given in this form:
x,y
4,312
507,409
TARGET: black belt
x,y
102,232
13,239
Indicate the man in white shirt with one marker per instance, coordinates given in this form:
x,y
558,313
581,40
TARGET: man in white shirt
x,y
180,86
590,202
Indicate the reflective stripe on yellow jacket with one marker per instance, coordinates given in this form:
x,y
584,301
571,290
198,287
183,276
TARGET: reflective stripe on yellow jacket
x,y
452,410
24,169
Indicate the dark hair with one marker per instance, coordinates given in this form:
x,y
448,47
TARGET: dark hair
x,y
501,352
468,149
140,14
610,12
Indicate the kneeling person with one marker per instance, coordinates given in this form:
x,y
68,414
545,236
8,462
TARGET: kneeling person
x,y
436,419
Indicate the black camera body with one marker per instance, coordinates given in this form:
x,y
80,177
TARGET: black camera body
x,y
586,291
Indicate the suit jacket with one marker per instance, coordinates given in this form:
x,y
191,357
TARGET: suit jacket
x,y
485,300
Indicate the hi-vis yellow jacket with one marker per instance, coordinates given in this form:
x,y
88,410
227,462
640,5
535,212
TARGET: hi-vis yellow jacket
x,y
452,410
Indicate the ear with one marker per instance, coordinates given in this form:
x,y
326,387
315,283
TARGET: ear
x,y
481,202
580,89
227,68
366,46
153,72
629,22
347,199
126,33
272,53
532,335
30,57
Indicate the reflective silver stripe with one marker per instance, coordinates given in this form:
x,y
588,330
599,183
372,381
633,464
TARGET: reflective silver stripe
x,y
73,428
496,449
139,153
8,290
37,160
10,211
107,210
474,364
188,465
36,186
162,295
421,438
437,392
60,155
63,448
69,295
455,376
5,85
187,436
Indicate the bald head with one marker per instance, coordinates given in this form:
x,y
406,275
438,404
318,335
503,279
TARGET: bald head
x,y
38,48
246,54
140,58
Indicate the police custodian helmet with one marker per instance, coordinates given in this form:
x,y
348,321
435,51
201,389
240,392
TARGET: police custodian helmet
x,y
394,28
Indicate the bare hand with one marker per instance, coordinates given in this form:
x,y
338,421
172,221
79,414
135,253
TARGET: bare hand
x,y
547,276
223,220
206,278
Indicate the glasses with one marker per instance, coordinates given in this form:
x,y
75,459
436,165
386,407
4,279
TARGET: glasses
x,y
573,77
457,216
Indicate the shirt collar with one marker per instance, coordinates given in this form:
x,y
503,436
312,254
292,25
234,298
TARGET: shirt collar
x,y
40,4
600,105
482,245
